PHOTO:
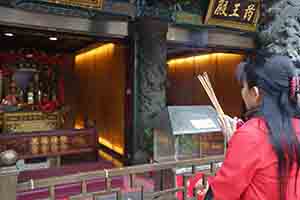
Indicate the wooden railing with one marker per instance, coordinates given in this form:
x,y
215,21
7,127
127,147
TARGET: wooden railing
x,y
208,166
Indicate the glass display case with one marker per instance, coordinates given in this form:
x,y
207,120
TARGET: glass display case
x,y
186,132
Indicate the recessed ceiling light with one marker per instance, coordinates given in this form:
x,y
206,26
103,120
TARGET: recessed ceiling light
x,y
53,38
9,34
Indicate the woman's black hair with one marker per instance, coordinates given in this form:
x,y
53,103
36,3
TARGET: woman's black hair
x,y
273,74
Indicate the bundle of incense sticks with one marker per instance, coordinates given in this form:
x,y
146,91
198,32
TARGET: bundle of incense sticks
x,y
204,79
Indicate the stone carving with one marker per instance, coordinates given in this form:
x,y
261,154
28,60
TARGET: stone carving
x,y
153,73
280,32
151,81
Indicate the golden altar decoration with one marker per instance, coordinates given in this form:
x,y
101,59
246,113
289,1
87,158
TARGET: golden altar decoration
x,y
30,121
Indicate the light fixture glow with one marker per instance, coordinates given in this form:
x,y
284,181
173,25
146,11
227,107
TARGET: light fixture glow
x,y
53,38
189,60
101,50
9,34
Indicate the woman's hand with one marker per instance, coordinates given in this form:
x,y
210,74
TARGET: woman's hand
x,y
229,125
201,187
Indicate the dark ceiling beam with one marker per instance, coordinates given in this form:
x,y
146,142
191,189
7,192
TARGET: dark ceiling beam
x,y
230,40
57,23
186,36
210,37
5,3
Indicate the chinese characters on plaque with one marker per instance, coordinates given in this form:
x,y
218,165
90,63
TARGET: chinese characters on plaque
x,y
83,3
241,14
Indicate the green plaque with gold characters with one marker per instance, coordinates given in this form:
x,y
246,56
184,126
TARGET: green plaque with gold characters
x,y
188,18
82,3
239,14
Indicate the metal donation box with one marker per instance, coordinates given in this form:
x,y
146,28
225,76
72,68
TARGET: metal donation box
x,y
186,132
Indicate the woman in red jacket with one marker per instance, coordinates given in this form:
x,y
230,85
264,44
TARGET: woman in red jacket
x,y
263,157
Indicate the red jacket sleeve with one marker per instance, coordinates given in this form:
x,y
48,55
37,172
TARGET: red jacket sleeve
x,y
239,167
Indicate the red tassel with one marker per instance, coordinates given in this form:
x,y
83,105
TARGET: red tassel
x,y
293,86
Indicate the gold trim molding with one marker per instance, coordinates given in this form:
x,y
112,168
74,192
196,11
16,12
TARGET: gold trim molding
x,y
83,3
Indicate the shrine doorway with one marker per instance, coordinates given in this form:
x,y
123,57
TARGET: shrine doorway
x,y
94,70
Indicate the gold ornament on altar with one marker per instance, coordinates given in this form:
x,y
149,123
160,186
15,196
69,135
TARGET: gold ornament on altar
x,y
45,149
63,139
12,98
34,149
45,140
54,148
34,141
54,140
64,147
